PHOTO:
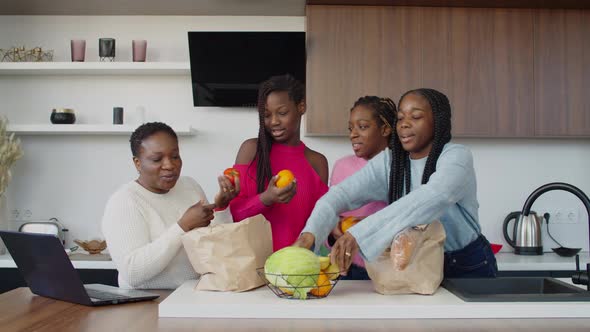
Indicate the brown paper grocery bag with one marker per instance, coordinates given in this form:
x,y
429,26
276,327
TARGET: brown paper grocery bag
x,y
227,255
422,275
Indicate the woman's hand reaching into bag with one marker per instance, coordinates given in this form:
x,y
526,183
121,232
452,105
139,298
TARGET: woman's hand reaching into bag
x,y
198,215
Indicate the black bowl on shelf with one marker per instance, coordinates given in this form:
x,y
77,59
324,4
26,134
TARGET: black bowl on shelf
x,y
62,116
566,252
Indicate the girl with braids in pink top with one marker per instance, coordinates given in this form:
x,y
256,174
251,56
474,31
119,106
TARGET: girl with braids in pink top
x,y
370,129
281,103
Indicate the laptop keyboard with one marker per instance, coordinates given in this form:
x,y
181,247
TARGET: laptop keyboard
x,y
104,295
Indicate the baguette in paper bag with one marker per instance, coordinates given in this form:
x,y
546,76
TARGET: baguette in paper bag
x,y
422,270
227,255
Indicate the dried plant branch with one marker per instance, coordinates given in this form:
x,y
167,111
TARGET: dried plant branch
x,y
10,152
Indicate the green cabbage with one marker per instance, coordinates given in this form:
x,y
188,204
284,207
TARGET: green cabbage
x,y
293,268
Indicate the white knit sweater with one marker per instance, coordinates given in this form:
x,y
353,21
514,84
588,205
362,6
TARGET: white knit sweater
x,y
143,236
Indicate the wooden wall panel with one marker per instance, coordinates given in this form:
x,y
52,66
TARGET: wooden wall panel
x,y
353,52
513,73
562,73
437,51
562,4
471,90
492,72
507,72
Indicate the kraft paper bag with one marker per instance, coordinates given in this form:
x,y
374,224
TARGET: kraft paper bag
x,y
424,272
227,255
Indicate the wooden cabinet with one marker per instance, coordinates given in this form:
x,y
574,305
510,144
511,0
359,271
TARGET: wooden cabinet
x,y
485,60
353,52
480,59
562,73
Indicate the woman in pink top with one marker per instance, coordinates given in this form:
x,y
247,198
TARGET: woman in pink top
x,y
370,129
278,146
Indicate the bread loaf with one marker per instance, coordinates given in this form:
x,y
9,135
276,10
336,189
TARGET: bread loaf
x,y
403,247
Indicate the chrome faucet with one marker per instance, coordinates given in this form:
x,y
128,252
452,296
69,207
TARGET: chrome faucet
x,y
579,277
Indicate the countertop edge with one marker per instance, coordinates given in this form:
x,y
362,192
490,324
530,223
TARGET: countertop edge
x,y
6,261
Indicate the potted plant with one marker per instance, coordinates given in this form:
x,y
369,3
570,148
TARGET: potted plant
x,y
10,151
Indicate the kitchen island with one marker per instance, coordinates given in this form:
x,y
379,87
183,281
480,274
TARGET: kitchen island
x,y
355,299
21,310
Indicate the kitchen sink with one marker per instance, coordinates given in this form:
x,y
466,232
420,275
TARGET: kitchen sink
x,y
515,289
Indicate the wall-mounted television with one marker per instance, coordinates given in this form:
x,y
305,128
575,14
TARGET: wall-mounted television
x,y
227,67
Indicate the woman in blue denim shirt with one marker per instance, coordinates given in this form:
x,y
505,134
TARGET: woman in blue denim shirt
x,y
424,177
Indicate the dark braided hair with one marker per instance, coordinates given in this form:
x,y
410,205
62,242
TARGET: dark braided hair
x,y
146,130
383,109
400,176
296,91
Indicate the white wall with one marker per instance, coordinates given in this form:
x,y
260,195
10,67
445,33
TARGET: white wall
x,y
70,177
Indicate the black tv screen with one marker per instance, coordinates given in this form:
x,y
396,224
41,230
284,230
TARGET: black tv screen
x,y
227,67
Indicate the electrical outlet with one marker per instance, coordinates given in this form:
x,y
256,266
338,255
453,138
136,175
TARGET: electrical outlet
x,y
15,214
555,216
564,216
571,216
558,217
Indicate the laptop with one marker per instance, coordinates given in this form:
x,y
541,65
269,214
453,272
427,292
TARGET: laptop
x,y
45,266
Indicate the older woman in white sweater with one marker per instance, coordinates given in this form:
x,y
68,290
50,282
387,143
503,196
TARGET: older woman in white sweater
x,y
144,219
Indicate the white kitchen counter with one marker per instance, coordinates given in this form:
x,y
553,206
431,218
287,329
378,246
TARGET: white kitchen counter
x,y
506,262
80,261
546,262
354,300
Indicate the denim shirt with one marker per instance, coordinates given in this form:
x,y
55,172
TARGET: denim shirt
x,y
450,196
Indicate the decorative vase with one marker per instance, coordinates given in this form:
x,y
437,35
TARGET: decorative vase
x,y
139,47
78,48
106,49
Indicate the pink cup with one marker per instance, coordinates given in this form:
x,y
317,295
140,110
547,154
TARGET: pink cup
x,y
78,47
139,50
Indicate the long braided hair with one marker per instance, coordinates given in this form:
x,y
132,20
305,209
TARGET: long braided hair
x,y
296,91
400,176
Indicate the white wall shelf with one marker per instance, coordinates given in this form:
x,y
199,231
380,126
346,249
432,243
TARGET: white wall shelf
x,y
94,68
86,129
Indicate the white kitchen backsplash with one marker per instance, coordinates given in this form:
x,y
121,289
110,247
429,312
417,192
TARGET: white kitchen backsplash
x,y
71,177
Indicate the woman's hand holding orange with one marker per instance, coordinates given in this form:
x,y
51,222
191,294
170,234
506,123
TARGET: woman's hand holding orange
x,y
281,189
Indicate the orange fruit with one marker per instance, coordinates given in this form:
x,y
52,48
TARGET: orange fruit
x,y
324,286
348,222
284,178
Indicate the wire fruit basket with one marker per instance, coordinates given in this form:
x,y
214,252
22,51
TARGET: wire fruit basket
x,y
324,284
